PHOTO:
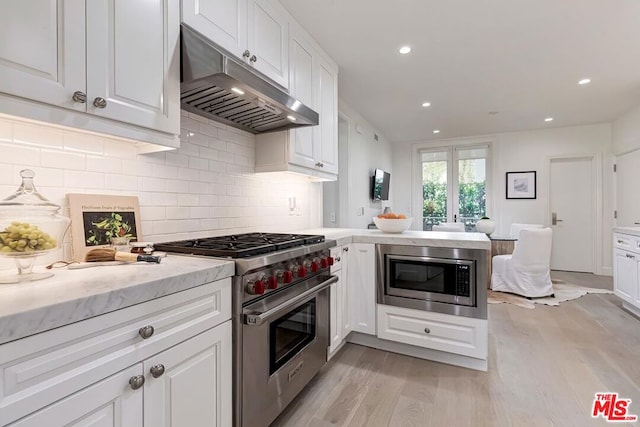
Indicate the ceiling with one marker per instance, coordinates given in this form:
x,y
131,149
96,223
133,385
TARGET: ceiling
x,y
521,59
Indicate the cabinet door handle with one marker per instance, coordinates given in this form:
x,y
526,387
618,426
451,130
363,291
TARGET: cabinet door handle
x,y
631,256
253,58
99,102
136,381
79,96
621,241
157,370
337,259
246,53
346,249
146,332
427,330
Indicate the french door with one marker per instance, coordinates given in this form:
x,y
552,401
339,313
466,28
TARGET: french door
x,y
454,185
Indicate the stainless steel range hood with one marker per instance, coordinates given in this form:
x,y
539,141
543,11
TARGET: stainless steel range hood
x,y
217,87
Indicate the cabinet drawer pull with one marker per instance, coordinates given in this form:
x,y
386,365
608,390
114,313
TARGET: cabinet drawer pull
x,y
99,102
253,58
427,330
246,53
337,259
631,256
146,332
136,381
157,370
346,249
79,96
621,241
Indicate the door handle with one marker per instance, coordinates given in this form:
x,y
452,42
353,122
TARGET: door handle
x,y
554,219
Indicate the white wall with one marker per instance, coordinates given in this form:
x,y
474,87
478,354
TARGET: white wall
x,y
524,151
363,155
626,132
207,187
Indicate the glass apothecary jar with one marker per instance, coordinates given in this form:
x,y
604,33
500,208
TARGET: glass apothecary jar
x,y
30,226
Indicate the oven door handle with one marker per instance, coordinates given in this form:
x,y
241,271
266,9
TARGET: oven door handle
x,y
259,319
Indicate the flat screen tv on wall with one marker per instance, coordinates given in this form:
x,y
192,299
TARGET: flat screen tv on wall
x,y
380,185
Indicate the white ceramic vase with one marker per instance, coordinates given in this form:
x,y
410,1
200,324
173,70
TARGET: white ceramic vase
x,y
485,226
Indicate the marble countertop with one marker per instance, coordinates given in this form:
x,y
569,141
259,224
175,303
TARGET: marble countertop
x,y
634,231
441,239
73,295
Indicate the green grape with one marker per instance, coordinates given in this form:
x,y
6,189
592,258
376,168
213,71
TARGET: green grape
x,y
24,237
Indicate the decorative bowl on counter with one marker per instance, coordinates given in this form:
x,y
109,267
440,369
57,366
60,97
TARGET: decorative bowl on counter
x,y
30,226
397,225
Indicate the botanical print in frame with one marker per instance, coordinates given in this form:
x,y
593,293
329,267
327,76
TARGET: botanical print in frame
x,y
96,218
521,185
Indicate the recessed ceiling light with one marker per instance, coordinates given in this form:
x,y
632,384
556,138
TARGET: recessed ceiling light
x,y
404,50
237,90
426,104
584,82
548,119
436,131
293,119
190,133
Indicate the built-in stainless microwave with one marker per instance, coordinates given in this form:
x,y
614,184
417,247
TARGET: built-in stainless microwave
x,y
447,280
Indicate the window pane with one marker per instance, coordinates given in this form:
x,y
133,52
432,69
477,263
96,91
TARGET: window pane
x,y
434,189
472,183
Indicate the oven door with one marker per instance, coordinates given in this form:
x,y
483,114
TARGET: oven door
x,y
285,338
443,280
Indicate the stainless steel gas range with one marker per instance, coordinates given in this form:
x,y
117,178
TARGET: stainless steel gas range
x,y
280,315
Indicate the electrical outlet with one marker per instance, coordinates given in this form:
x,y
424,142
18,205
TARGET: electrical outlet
x,y
360,212
332,217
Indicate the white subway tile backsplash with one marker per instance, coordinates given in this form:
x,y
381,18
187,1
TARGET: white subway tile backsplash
x,y
6,130
188,174
11,153
92,180
188,200
177,186
31,134
198,163
104,164
175,159
194,191
177,212
120,182
151,184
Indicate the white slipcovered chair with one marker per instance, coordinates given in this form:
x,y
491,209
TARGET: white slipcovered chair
x,y
449,226
527,271
516,228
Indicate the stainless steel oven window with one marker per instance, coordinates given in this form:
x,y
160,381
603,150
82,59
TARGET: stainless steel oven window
x,y
291,333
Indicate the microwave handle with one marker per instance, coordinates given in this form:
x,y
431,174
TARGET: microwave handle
x,y
259,319
429,259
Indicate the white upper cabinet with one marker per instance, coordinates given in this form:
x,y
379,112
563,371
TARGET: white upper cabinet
x,y
42,53
223,21
268,40
116,61
255,31
327,141
313,79
131,76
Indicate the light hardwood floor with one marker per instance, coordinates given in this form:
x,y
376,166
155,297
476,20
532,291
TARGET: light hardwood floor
x,y
545,365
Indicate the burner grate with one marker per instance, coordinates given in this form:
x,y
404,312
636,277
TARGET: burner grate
x,y
240,245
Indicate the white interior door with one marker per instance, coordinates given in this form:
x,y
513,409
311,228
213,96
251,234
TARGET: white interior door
x,y
572,200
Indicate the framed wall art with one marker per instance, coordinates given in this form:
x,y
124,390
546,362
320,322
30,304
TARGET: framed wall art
x,y
521,185
96,218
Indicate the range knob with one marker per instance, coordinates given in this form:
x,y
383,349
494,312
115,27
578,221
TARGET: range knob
x,y
313,266
324,262
272,282
284,276
330,260
299,270
255,287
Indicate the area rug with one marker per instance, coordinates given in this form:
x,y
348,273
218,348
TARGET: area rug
x,y
563,291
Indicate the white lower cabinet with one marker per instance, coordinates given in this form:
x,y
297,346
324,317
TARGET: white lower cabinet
x,y
339,315
453,334
108,403
190,384
626,270
163,363
362,287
